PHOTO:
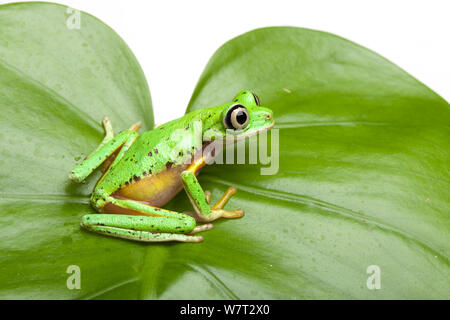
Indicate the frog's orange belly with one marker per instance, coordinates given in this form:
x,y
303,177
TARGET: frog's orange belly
x,y
155,190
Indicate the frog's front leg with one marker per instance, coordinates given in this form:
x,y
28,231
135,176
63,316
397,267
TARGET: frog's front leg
x,y
200,199
109,134
142,222
120,143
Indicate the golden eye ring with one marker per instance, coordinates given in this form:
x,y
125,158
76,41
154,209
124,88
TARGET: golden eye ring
x,y
236,118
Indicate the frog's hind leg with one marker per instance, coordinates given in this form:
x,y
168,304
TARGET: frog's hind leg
x,y
141,222
140,228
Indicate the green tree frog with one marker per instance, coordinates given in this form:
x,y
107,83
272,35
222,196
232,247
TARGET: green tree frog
x,y
141,173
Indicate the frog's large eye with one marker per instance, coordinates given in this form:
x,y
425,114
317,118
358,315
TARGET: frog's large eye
x,y
256,99
236,117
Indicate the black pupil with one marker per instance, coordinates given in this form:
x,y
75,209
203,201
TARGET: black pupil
x,y
241,117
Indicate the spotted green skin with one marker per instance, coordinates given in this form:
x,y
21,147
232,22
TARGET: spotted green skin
x,y
166,147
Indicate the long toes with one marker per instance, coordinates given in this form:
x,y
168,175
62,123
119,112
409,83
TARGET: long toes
x,y
201,228
233,213
208,195
136,126
225,197
106,121
192,239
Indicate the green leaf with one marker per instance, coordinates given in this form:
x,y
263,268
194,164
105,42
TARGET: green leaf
x,y
56,84
363,173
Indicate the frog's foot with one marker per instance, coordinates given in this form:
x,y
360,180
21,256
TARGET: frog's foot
x,y
217,209
109,131
136,126
203,227
208,195
107,125
224,199
229,214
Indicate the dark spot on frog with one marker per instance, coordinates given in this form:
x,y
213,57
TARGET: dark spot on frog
x,y
150,154
169,164
136,178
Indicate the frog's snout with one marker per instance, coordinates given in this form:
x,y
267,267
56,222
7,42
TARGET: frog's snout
x,y
267,116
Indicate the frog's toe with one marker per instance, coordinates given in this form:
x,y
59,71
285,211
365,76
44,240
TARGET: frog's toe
x,y
226,196
136,126
107,125
201,228
208,195
229,214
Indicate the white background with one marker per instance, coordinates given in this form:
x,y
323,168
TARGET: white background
x,y
173,40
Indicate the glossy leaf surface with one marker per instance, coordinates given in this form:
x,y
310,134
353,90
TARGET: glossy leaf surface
x,y
363,173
